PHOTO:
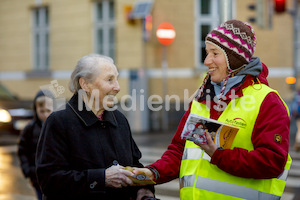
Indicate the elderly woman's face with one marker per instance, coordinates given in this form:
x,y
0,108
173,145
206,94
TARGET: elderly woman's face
x,y
216,63
107,84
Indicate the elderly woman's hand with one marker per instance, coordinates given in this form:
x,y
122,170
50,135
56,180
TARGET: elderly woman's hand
x,y
116,176
210,147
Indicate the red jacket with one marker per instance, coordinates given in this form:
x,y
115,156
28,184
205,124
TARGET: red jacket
x,y
268,158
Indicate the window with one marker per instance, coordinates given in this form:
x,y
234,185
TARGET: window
x,y
206,19
105,28
41,38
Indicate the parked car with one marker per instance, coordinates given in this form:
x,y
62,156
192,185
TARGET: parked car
x,y
14,112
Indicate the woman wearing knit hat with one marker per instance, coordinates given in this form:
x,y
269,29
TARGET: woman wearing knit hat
x,y
235,91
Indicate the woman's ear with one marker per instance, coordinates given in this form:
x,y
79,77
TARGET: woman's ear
x,y
84,84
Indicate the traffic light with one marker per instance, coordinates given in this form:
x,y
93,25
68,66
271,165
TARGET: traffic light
x,y
127,12
252,7
260,13
279,6
147,29
290,80
148,23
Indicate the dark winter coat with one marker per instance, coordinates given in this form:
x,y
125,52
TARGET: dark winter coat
x,y
28,143
27,150
76,147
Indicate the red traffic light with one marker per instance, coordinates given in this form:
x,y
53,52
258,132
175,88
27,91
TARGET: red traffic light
x,y
279,6
148,23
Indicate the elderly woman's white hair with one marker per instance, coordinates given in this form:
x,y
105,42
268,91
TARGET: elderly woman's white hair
x,y
87,68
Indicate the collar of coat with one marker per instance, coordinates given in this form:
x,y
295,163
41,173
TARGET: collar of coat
x,y
88,117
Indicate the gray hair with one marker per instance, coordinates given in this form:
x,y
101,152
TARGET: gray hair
x,y
88,68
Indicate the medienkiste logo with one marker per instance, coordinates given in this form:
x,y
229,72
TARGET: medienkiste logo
x,y
239,122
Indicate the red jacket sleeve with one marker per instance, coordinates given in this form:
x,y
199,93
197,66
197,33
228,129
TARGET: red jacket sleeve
x,y
168,165
268,158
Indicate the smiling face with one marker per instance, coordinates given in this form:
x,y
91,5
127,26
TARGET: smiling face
x,y
216,63
106,85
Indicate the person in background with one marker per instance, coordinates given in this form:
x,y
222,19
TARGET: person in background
x,y
235,91
84,149
42,108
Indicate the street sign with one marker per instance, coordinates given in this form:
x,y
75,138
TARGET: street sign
x,y
165,33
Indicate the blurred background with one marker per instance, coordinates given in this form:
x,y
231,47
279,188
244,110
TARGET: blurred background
x,y
42,40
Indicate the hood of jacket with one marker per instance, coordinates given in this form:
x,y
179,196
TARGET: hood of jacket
x,y
254,68
40,93
36,118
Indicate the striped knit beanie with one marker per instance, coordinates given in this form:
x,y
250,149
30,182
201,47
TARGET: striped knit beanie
x,y
237,40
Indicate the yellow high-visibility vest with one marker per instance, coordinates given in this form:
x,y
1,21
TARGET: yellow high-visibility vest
x,y
199,179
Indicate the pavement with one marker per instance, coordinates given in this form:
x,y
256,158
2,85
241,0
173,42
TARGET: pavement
x,y
13,186
153,145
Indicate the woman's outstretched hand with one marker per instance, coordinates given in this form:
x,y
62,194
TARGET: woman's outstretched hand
x,y
146,171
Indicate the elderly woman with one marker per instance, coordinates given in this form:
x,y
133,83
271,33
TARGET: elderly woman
x,y
235,91
83,149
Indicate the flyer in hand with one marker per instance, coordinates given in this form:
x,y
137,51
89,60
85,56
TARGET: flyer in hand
x,y
196,126
140,178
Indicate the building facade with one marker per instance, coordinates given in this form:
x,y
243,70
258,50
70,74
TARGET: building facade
x,y
42,40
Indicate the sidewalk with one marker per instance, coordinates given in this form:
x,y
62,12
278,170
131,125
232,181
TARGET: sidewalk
x,y
13,186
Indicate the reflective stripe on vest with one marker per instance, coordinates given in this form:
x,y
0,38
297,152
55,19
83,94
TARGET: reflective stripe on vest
x,y
200,179
195,154
225,188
